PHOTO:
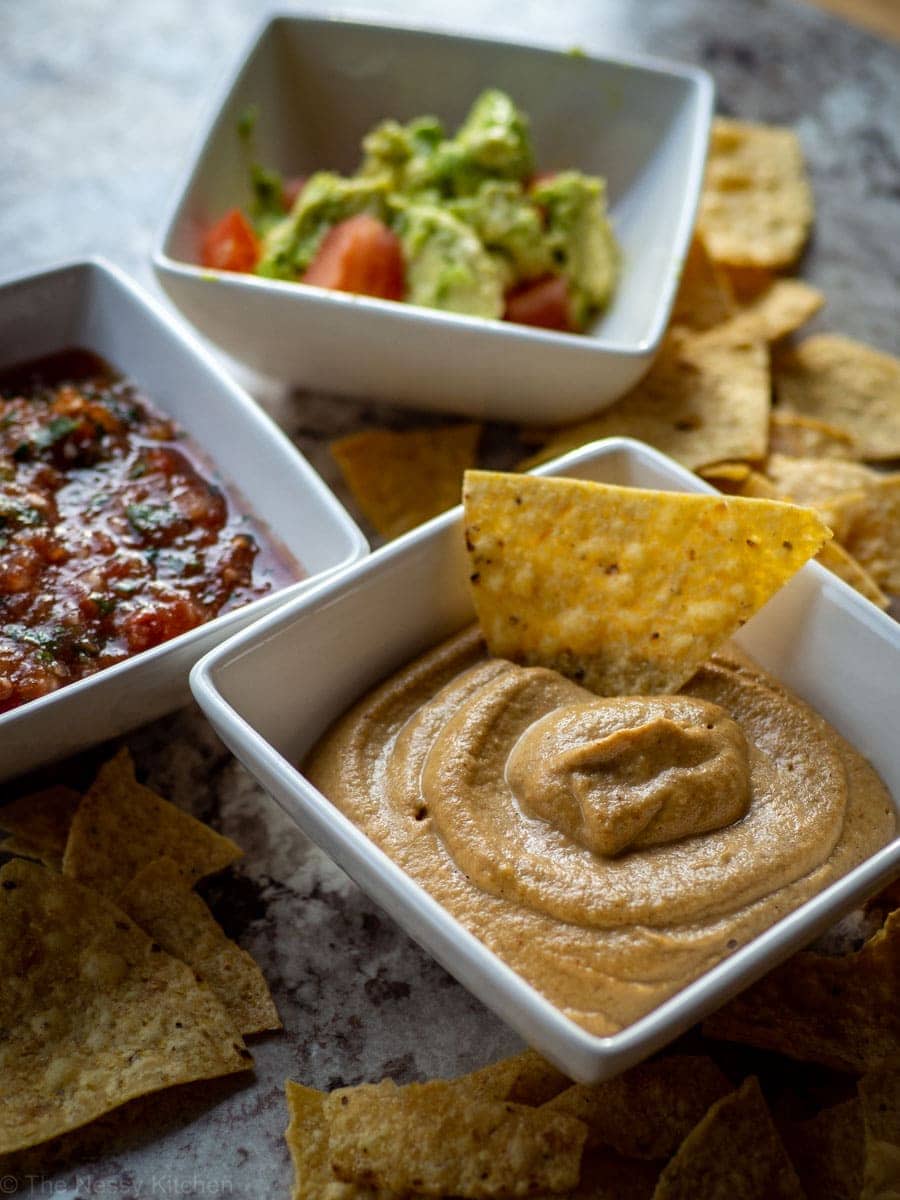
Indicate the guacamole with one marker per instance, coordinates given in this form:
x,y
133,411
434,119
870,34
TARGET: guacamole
x,y
478,231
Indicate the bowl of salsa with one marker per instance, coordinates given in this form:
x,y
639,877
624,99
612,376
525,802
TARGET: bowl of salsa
x,y
147,509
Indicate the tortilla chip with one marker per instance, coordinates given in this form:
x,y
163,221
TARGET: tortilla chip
x,y
40,824
93,1013
841,1012
161,901
756,209
807,437
879,1094
401,479
704,297
844,565
726,473
815,480
827,1151
525,1078
747,283
623,589
868,524
735,1151
121,826
307,1139
646,1112
703,401
430,1138
847,384
779,310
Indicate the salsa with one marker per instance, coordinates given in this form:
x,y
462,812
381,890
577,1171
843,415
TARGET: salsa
x,y
113,538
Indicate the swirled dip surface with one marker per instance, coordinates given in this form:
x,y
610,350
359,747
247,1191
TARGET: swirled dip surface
x,y
609,850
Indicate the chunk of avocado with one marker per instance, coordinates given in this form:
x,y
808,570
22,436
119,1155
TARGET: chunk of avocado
x,y
447,267
289,246
580,237
507,221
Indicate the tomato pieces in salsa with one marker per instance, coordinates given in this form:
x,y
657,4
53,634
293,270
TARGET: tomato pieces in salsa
x,y
112,538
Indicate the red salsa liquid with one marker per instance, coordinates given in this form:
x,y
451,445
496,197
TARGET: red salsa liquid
x,y
112,538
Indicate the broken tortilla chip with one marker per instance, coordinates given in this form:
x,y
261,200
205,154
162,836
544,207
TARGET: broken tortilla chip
x,y
524,1078
814,480
702,401
401,479
841,1012
848,384
879,1094
868,524
728,473
827,1151
779,310
646,1112
121,826
704,296
756,207
734,1151
40,824
807,437
431,1138
93,1012
161,901
623,589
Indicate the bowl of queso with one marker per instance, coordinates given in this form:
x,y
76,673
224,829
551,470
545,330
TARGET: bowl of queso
x,y
138,524
442,221
424,767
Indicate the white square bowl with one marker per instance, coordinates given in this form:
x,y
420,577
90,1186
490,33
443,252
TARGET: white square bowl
x,y
819,637
320,85
93,306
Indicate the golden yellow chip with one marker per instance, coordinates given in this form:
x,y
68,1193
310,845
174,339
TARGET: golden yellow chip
x,y
726,475
844,565
121,826
703,401
625,590
734,1151
704,297
646,1112
807,437
401,479
838,1011
847,384
161,901
827,1151
815,480
525,1078
93,1013
868,524
879,1094
756,209
432,1138
779,310
40,824
307,1139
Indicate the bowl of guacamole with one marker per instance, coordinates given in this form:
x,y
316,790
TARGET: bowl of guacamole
x,y
462,221
444,222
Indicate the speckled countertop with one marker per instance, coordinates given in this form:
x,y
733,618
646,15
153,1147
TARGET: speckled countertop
x,y
100,101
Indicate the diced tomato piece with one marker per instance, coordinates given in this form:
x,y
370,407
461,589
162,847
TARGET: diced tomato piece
x,y
359,255
291,189
231,244
544,303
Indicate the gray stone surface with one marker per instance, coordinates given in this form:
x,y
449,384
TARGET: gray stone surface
x,y
99,104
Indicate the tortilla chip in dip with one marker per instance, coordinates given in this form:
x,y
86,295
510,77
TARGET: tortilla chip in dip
x,y
624,589
756,208
846,383
93,1012
120,826
400,479
162,902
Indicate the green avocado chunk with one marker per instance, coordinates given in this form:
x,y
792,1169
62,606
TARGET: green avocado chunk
x,y
446,264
